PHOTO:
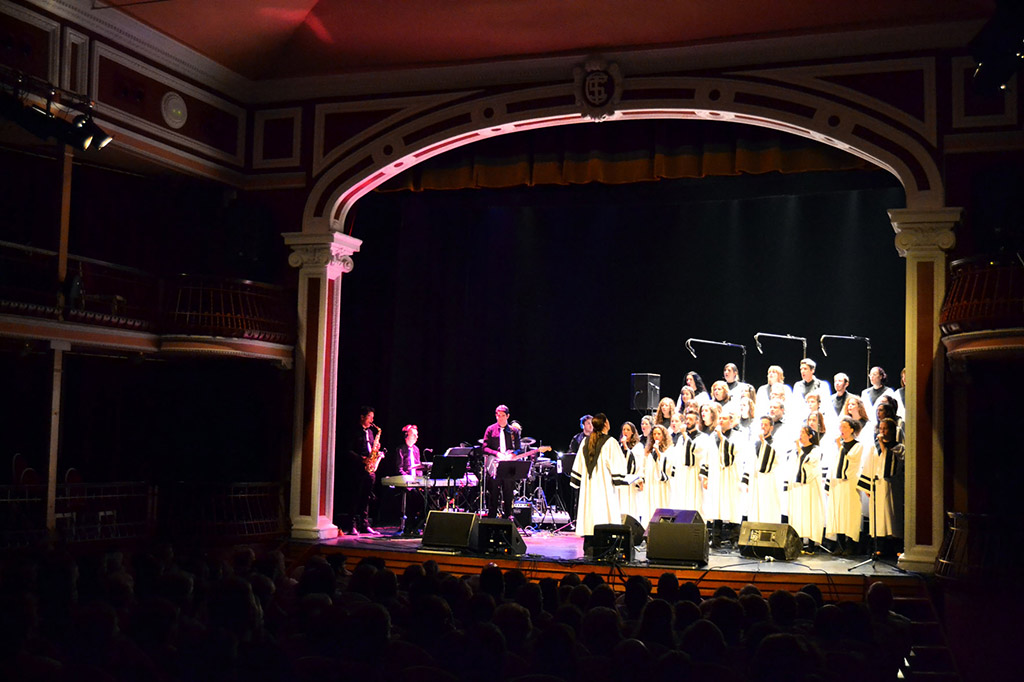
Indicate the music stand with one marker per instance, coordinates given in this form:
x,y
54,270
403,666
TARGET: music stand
x,y
453,466
517,470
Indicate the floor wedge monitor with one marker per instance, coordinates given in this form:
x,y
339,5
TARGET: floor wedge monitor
x,y
498,536
449,530
677,536
776,540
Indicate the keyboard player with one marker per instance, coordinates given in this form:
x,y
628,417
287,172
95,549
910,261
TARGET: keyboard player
x,y
409,464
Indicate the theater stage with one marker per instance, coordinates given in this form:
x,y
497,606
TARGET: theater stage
x,y
553,554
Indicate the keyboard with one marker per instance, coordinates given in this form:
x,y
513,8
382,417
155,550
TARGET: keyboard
x,y
410,481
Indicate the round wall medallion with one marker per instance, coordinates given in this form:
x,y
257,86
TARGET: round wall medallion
x,y
174,110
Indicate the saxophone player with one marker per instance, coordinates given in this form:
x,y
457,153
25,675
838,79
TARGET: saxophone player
x,y
365,453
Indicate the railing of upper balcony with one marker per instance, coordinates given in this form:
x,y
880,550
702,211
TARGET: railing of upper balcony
x,y
96,292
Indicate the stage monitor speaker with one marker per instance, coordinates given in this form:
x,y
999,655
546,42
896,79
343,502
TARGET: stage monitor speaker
x,y
449,530
646,392
675,516
498,536
635,529
613,543
677,536
777,540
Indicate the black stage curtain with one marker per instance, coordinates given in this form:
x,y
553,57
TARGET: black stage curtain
x,y
549,298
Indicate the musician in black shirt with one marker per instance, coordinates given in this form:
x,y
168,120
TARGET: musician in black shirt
x,y
409,464
501,441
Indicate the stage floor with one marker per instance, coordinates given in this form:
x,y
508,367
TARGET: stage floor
x,y
566,547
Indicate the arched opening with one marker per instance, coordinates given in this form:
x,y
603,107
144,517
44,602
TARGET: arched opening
x,y
887,146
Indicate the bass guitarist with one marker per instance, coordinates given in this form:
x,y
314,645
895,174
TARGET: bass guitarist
x,y
502,443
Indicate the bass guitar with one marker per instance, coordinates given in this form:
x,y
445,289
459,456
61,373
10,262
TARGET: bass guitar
x,y
494,460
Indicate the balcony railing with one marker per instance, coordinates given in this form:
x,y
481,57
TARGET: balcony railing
x,y
216,306
204,513
85,512
107,294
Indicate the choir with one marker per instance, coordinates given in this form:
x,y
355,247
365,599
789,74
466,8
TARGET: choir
x,y
821,461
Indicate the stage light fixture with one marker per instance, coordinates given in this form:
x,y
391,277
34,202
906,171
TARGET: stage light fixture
x,y
997,49
57,119
100,138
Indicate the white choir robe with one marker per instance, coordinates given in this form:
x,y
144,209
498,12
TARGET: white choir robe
x,y
765,503
682,467
843,514
806,494
656,492
629,496
870,405
763,398
875,481
722,469
599,498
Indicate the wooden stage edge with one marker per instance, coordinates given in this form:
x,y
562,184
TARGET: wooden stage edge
x,y
553,555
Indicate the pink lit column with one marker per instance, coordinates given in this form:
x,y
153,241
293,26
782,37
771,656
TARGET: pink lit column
x,y
922,237
321,259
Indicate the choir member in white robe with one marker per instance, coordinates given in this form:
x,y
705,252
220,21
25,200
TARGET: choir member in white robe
x,y
776,377
814,403
666,408
721,471
843,515
731,377
829,451
881,469
597,472
806,491
687,397
656,486
762,478
700,391
748,424
646,422
676,428
841,381
633,453
809,383
856,411
683,464
876,389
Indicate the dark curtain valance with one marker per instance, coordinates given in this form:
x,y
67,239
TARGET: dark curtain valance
x,y
622,152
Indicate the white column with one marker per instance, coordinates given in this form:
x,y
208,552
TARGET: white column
x,y
923,237
321,259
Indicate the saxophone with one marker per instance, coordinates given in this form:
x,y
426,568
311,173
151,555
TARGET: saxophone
x,y
373,459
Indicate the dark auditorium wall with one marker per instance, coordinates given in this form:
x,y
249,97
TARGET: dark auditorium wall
x,y
547,299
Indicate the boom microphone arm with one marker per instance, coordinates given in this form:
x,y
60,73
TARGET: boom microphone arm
x,y
691,341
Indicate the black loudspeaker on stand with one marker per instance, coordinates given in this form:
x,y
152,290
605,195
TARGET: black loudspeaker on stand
x,y
677,536
776,540
646,392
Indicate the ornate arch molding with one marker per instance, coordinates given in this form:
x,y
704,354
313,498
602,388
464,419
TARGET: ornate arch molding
x,y
813,102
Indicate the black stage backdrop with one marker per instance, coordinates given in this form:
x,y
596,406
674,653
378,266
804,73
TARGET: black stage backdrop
x,y
548,299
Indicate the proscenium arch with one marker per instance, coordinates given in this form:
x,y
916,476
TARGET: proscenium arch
x,y
818,116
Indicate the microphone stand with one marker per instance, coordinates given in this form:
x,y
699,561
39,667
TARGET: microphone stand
x,y
691,341
788,337
865,339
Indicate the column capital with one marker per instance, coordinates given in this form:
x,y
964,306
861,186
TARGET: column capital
x,y
331,251
924,232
